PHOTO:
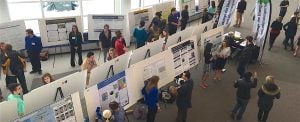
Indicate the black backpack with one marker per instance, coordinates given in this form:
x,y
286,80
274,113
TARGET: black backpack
x,y
166,96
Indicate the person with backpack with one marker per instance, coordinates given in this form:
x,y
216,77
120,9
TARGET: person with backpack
x,y
243,85
246,56
140,34
267,93
151,95
14,65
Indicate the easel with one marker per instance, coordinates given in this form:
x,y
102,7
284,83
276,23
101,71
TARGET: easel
x,y
58,90
179,39
147,55
110,70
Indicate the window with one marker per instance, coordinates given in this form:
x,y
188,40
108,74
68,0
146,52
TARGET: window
x,y
135,4
34,25
150,2
98,7
19,11
61,9
85,24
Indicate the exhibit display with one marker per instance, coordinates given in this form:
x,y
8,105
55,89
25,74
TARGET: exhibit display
x,y
13,33
8,111
165,8
227,13
135,17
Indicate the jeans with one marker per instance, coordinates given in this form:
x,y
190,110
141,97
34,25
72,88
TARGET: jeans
x,y
35,60
263,115
151,114
79,51
240,107
183,25
181,115
241,69
105,51
273,36
286,40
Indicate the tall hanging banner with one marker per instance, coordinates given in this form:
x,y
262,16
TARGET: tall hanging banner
x,y
227,12
262,18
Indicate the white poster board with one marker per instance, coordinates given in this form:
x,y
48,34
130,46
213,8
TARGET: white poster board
x,y
67,109
191,6
136,16
46,94
214,36
8,111
55,31
96,24
165,8
13,33
185,55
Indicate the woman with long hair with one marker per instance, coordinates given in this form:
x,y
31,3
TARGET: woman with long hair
x,y
207,64
164,35
119,44
150,92
221,56
276,27
75,39
47,78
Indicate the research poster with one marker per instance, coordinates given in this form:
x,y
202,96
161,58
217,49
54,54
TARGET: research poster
x,y
56,31
157,68
61,111
13,33
165,8
191,4
113,89
96,24
215,39
135,17
184,56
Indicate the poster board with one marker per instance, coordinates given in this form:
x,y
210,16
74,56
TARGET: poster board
x,y
55,31
67,109
141,53
165,8
13,33
136,16
159,64
191,4
184,55
46,94
8,111
106,91
96,24
99,73
214,36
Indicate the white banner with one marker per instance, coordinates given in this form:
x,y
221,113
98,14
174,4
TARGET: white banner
x,y
227,12
260,24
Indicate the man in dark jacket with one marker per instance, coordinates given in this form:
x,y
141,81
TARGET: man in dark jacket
x,y
184,17
246,56
243,86
33,45
15,68
184,97
241,7
104,42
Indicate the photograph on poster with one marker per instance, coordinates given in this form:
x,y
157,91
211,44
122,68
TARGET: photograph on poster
x,y
184,56
113,89
60,111
13,33
59,29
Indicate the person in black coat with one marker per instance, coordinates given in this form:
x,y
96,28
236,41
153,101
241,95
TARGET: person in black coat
x,y
105,41
276,27
241,7
290,32
283,7
184,17
206,17
243,85
246,56
75,39
267,93
184,97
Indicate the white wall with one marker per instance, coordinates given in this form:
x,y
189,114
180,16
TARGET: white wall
x,y
4,13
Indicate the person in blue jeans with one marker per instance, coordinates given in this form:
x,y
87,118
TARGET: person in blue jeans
x,y
140,34
33,45
150,92
243,86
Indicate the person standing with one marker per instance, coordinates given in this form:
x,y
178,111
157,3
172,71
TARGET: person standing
x,y
184,17
297,47
16,92
140,34
221,56
276,27
208,58
118,112
239,14
246,56
184,97
15,68
156,21
88,64
283,7
290,32
212,9
119,44
206,17
75,39
150,92
243,85
173,21
33,45
104,42
267,93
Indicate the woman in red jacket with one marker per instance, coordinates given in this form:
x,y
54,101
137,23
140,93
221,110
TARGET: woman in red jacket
x,y
119,44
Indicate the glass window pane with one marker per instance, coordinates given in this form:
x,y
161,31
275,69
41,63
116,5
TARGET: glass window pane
x,y
98,7
9,1
61,9
85,24
24,10
135,4
150,2
34,25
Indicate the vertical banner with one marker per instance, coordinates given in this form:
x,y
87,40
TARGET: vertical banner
x,y
262,18
227,12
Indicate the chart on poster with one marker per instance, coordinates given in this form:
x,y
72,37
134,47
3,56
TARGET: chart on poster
x,y
61,111
157,68
13,33
184,56
113,89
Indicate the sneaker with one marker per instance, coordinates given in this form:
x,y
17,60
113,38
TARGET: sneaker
x,y
205,84
32,72
202,86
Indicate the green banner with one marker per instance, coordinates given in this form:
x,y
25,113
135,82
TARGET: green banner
x,y
263,1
